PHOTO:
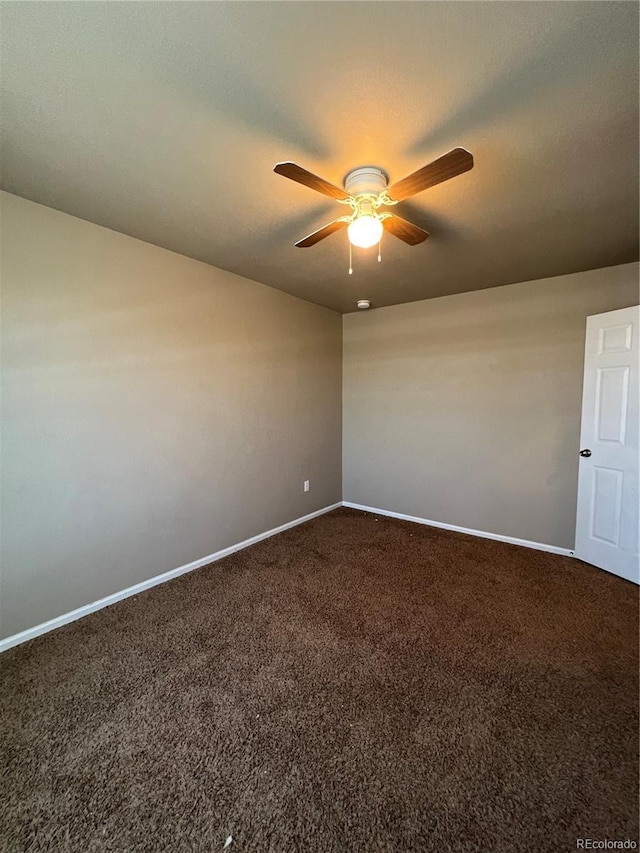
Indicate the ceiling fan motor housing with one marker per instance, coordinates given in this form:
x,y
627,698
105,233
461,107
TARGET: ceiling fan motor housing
x,y
366,180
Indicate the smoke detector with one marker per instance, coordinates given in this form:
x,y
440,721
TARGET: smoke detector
x,y
363,304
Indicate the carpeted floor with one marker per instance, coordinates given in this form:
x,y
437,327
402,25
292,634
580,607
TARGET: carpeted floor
x,y
354,684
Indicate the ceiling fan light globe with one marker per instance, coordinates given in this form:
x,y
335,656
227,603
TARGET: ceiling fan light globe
x,y
365,231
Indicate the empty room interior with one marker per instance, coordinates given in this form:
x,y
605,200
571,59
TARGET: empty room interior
x,y
320,460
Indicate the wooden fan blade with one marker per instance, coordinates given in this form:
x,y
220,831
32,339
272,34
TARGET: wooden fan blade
x,y
407,231
448,166
297,173
321,233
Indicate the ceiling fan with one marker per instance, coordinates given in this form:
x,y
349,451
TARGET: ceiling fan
x,y
366,190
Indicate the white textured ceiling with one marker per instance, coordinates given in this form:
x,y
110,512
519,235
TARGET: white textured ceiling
x,y
164,121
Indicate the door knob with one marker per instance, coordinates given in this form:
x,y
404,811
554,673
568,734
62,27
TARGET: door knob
x,y
586,453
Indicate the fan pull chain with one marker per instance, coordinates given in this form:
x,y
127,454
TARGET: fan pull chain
x,y
350,259
379,250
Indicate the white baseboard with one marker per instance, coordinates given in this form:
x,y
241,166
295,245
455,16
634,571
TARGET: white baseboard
x,y
65,618
538,546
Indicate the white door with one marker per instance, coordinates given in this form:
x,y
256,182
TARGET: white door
x,y
608,508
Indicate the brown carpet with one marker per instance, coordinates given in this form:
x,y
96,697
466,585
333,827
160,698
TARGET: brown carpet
x,y
354,684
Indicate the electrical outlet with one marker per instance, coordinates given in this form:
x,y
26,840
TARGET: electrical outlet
x,y
306,485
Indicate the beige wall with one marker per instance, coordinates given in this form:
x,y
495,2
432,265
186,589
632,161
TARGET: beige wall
x,y
466,409
155,410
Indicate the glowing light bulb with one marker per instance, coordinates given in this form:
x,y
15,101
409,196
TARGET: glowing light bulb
x,y
365,231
